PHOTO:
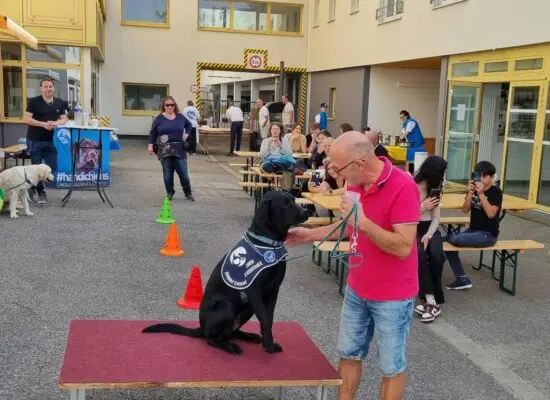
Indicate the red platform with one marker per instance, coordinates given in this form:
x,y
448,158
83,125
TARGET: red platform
x,y
115,354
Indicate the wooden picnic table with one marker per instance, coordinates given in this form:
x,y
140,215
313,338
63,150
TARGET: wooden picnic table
x,y
13,152
205,132
449,201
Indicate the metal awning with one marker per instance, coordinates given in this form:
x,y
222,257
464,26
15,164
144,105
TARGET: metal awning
x,y
10,28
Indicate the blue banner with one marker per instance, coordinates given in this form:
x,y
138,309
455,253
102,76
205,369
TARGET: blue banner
x,y
87,162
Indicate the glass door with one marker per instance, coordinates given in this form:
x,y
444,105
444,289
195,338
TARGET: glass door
x,y
522,156
462,131
543,196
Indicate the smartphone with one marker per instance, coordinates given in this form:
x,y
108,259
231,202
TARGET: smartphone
x,y
435,193
315,178
476,176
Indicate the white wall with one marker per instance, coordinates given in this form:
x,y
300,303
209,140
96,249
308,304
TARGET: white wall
x,y
394,89
170,56
472,25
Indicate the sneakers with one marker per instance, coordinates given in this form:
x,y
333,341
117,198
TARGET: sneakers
x,y
431,312
32,195
42,198
190,197
170,196
460,284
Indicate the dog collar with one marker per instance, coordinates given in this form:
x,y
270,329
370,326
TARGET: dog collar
x,y
264,239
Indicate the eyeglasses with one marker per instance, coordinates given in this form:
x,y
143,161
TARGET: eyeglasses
x,y
169,105
338,171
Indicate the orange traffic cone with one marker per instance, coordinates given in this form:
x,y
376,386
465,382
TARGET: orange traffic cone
x,y
193,292
172,247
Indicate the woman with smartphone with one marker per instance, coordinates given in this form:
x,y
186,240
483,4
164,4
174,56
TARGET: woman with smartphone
x,y
431,258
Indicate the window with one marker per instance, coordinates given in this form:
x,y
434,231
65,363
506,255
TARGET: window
x,y
524,65
316,12
250,16
67,83
153,13
285,18
443,3
465,69
332,104
54,54
11,52
214,14
496,66
389,10
331,10
13,92
354,6
143,99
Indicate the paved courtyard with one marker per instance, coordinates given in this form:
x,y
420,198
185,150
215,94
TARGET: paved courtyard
x,y
88,261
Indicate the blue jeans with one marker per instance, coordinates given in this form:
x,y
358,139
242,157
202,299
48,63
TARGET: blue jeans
x,y
39,152
468,238
171,164
387,321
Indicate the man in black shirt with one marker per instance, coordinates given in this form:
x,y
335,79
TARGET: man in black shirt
x,y
42,115
484,200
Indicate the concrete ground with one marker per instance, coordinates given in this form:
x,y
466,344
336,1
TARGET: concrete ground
x,y
90,261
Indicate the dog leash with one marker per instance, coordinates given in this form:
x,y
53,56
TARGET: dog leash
x,y
335,253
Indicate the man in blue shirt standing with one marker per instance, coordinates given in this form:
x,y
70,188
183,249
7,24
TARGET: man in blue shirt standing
x,y
321,118
412,132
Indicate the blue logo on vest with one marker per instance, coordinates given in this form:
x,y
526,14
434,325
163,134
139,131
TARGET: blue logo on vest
x,y
245,261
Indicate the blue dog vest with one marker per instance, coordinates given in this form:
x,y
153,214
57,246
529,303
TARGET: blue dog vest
x,y
244,262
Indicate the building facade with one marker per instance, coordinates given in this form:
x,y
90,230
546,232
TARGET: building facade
x,y
478,89
71,49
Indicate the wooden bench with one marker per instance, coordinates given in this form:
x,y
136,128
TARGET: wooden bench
x,y
507,252
303,201
319,221
14,152
453,224
240,165
340,270
256,190
115,354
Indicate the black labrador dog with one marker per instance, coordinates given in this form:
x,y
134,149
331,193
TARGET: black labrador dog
x,y
246,281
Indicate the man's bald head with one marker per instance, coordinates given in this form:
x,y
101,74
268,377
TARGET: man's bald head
x,y
372,136
355,145
353,158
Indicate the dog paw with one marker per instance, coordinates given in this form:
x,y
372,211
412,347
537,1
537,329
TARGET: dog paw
x,y
235,350
273,348
14,216
29,214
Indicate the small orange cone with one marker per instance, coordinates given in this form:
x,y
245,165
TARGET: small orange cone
x,y
193,292
172,247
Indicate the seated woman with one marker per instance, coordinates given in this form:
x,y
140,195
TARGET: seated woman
x,y
330,185
275,152
320,151
297,142
431,258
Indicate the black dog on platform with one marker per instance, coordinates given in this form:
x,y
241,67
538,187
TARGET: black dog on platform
x,y
246,281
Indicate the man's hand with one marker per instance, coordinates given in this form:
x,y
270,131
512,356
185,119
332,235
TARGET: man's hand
x,y
297,236
50,125
185,136
150,149
479,187
425,241
347,205
471,188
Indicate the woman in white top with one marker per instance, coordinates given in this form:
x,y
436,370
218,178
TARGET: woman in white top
x,y
431,258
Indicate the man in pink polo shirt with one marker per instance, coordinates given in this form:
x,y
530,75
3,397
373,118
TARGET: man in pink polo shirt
x,y
382,284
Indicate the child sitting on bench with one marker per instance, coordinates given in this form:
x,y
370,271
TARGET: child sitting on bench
x,y
483,201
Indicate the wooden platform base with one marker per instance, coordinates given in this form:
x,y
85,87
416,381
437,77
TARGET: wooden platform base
x,y
114,354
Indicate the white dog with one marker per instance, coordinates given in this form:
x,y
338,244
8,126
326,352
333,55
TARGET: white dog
x,y
17,180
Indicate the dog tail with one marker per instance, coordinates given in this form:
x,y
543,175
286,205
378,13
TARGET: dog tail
x,y
174,329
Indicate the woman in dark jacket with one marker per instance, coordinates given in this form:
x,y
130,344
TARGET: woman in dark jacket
x,y
168,140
